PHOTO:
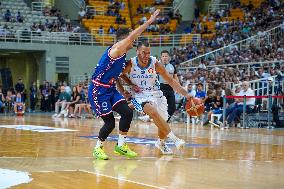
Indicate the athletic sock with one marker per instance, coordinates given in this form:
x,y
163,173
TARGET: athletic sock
x,y
99,143
173,137
121,140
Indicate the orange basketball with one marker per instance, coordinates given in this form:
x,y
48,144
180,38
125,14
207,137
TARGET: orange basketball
x,y
195,107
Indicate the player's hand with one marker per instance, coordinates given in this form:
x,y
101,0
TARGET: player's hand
x,y
127,95
136,89
153,16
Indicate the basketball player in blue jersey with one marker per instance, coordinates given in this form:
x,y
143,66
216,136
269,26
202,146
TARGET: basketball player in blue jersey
x,y
142,72
104,98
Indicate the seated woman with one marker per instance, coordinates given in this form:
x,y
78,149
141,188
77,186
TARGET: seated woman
x,y
83,105
19,105
75,99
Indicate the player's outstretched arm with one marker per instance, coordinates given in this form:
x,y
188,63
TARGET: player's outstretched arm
x,y
171,81
119,48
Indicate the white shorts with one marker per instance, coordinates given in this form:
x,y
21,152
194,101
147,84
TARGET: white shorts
x,y
156,98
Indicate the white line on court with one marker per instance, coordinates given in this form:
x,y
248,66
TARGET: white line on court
x,y
122,179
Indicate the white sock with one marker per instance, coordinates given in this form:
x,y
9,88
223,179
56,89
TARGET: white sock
x,y
173,137
161,141
99,143
121,140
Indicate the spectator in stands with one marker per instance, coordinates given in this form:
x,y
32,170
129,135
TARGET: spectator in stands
x,y
19,17
122,5
33,96
190,90
233,113
75,99
45,96
81,14
10,99
19,105
200,93
101,30
62,102
67,88
20,88
216,105
2,100
111,30
139,9
7,15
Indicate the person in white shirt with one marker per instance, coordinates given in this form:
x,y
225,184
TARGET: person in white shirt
x,y
234,112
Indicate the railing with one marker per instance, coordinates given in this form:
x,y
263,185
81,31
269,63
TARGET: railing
x,y
38,6
246,65
80,3
272,34
68,38
102,10
262,86
96,10
215,7
177,4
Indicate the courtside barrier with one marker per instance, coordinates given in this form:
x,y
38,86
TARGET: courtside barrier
x,y
245,123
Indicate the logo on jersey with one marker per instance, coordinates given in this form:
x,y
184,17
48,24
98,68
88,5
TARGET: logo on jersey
x,y
150,70
146,76
142,71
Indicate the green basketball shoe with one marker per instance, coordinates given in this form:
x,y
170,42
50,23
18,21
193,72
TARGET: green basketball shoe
x,y
125,151
99,153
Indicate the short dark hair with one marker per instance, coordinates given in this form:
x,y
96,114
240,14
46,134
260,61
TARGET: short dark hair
x,y
165,51
143,42
122,32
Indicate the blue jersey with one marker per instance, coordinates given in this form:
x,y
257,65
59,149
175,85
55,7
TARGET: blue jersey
x,y
200,94
108,70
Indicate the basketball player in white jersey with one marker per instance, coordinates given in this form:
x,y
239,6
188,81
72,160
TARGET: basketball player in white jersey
x,y
147,97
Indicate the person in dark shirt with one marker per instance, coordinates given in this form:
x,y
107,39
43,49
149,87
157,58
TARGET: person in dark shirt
x,y
33,96
20,88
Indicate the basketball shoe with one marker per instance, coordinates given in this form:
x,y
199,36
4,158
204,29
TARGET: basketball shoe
x,y
163,148
99,153
125,151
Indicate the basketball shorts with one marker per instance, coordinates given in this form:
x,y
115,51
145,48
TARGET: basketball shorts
x,y
156,98
103,100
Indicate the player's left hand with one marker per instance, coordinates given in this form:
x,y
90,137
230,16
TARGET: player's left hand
x,y
136,89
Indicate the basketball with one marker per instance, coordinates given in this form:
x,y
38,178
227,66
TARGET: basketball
x,y
195,107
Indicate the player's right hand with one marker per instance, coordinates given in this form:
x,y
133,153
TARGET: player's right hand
x,y
154,16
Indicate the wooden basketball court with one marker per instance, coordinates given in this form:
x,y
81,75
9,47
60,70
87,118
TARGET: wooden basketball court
x,y
213,158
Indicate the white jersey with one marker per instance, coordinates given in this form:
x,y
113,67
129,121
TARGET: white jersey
x,y
145,78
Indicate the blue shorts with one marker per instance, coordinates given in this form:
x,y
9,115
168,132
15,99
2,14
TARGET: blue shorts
x,y
103,100
217,111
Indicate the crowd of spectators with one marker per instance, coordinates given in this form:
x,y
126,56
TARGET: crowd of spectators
x,y
60,24
256,22
48,98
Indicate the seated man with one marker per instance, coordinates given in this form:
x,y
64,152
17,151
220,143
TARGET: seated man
x,y
233,113
62,101
9,101
19,105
